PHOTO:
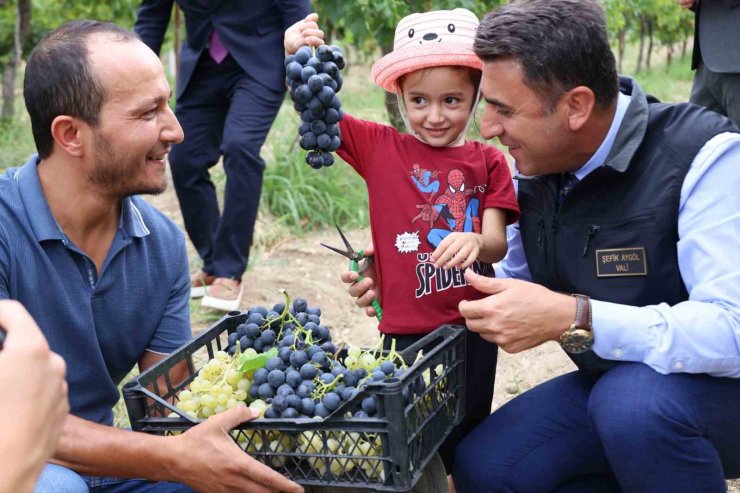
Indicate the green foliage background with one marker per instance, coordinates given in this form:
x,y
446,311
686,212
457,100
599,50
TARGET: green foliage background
x,y
296,198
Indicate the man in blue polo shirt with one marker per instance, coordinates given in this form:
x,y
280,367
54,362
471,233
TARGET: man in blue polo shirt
x,y
105,274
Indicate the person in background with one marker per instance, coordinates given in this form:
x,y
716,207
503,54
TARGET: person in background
x,y
230,86
33,400
716,56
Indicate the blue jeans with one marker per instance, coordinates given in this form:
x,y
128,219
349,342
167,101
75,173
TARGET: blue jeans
x,y
634,430
58,479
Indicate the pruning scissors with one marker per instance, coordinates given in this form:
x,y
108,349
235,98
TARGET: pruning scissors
x,y
355,256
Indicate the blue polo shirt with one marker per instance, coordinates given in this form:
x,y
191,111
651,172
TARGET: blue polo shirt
x,y
100,324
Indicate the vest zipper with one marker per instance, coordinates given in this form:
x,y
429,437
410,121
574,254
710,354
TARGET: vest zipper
x,y
592,230
550,259
552,267
542,231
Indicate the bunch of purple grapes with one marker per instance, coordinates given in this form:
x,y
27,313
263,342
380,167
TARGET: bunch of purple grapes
x,y
305,379
314,80
262,327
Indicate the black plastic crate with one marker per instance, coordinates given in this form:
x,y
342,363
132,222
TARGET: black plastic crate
x,y
386,453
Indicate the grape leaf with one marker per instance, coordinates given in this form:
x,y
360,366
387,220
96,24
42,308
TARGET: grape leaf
x,y
247,363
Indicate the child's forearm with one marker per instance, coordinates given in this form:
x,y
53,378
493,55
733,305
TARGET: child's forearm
x,y
492,246
492,239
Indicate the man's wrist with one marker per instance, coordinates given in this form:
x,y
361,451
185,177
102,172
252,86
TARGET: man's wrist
x,y
566,316
578,337
168,454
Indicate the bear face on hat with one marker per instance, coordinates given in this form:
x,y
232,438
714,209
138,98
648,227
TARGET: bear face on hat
x,y
430,39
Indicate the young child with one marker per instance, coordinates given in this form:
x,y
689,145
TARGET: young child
x,y
438,203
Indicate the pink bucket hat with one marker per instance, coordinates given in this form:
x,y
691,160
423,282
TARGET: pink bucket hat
x,y
431,39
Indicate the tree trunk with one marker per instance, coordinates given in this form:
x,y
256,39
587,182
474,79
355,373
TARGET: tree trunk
x,y
9,71
683,47
620,48
668,56
642,44
391,102
24,14
22,28
650,42
177,39
329,32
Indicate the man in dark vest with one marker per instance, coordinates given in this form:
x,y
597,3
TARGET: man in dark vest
x,y
230,86
627,253
716,56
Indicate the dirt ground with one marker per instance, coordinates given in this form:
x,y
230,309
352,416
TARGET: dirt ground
x,y
308,270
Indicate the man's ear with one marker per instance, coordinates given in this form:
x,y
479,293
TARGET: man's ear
x,y
579,103
68,133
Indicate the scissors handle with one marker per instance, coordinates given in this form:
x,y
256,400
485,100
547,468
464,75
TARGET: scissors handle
x,y
354,266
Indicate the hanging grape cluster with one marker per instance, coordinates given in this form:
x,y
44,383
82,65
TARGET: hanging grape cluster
x,y
314,79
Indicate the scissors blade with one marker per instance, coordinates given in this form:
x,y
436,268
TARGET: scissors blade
x,y
337,250
350,250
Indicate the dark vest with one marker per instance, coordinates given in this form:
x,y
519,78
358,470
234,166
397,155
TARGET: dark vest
x,y
614,236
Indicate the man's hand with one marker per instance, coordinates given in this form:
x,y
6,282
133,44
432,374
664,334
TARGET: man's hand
x,y
457,250
207,459
305,32
518,315
686,4
33,399
364,291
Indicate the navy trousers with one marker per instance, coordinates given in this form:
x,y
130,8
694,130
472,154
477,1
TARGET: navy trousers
x,y
223,112
719,92
634,430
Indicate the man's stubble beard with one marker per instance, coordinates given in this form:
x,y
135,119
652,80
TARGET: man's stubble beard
x,y
115,174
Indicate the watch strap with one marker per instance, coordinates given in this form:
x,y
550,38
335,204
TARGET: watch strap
x,y
583,312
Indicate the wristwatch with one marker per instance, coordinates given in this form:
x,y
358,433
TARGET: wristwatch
x,y
580,336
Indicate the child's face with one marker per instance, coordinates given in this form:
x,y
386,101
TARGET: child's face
x,y
438,102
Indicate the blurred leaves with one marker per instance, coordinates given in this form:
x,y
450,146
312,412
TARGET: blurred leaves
x,y
367,24
50,14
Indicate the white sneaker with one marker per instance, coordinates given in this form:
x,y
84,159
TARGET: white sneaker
x,y
199,283
224,294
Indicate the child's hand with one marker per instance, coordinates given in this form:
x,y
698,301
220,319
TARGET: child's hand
x,y
302,33
457,250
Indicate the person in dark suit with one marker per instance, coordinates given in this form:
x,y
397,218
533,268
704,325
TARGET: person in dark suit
x,y
230,87
716,57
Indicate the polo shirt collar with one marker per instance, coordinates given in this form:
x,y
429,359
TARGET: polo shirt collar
x,y
39,215
43,224
132,222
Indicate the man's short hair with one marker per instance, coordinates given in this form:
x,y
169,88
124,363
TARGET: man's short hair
x,y
561,44
60,81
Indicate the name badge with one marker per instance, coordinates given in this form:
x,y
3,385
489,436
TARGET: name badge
x,y
616,262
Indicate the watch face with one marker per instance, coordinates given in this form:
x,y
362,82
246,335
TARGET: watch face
x,y
577,340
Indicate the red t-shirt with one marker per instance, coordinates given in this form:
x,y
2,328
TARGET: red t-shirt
x,y
418,194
